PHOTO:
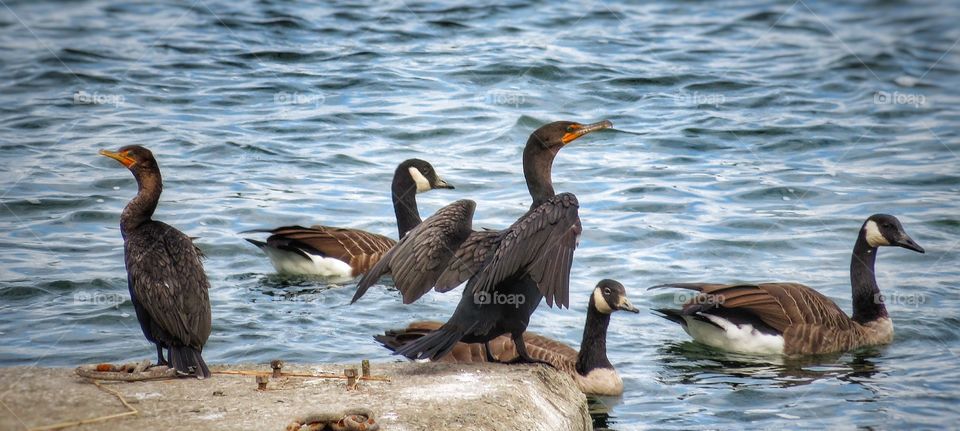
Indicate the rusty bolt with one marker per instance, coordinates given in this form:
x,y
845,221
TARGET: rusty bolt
x,y
351,374
276,365
262,382
365,368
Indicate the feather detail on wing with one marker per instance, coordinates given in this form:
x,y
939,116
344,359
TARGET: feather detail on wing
x,y
166,274
360,249
419,259
779,305
541,244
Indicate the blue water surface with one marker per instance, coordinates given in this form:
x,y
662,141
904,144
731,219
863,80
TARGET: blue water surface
x,y
752,140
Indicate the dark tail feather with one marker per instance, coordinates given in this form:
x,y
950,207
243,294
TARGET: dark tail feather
x,y
434,345
671,315
259,244
187,360
390,340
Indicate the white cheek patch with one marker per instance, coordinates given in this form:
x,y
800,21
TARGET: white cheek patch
x,y
600,303
873,235
423,184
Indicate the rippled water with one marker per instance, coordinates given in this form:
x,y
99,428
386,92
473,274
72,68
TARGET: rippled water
x,y
751,142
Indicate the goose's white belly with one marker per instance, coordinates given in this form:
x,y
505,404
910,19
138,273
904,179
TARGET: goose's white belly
x,y
740,339
286,262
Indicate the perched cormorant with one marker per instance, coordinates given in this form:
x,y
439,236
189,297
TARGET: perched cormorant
x,y
167,284
509,271
344,254
589,367
793,319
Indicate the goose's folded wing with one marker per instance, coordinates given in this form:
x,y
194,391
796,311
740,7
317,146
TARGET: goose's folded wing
x,y
358,248
540,244
779,305
418,260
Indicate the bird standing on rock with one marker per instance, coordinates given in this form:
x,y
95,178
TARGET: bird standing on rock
x,y
168,286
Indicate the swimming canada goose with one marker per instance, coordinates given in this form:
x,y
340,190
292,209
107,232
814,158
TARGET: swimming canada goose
x,y
342,253
590,367
509,271
167,284
793,319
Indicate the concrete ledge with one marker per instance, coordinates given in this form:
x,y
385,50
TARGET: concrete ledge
x,y
419,396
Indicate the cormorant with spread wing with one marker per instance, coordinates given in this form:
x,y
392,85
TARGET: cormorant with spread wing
x,y
509,271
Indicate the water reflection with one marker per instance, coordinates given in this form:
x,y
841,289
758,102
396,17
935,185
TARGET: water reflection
x,y
692,363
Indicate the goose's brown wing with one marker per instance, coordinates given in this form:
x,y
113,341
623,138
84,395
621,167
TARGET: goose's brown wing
x,y
418,260
166,276
360,249
539,347
540,244
779,305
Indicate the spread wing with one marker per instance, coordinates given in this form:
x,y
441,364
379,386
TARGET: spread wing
x,y
418,260
541,244
360,249
779,305
167,277
469,258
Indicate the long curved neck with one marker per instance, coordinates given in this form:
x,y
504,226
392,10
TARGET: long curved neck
x,y
537,166
139,210
405,202
867,304
593,347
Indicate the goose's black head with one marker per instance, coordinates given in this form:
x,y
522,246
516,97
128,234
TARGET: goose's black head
x,y
556,135
136,158
885,230
610,296
423,175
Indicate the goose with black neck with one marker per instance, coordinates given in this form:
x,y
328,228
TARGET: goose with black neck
x,y
793,319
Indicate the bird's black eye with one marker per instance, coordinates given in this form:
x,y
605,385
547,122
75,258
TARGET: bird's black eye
x,y
606,290
887,226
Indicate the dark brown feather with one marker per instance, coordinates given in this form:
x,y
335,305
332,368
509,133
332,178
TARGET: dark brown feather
x,y
540,244
167,279
809,321
360,249
556,353
418,260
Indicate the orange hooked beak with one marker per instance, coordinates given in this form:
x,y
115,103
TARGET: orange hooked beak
x,y
577,130
123,157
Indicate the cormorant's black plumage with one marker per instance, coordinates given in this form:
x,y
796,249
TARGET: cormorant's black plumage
x,y
165,275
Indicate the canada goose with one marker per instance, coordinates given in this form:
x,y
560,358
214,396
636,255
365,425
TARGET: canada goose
x,y
793,319
509,271
344,254
167,284
590,367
